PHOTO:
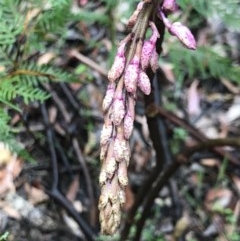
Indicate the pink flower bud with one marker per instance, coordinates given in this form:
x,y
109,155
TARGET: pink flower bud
x,y
106,133
132,20
183,34
144,83
169,6
154,61
149,46
131,75
118,111
108,99
128,125
118,64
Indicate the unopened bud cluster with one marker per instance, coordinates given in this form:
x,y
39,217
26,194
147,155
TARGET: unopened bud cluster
x,y
127,75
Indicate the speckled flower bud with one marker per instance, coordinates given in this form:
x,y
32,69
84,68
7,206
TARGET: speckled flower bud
x,y
149,46
103,199
108,99
132,20
122,174
144,83
103,152
154,61
183,34
117,214
118,111
106,133
128,125
127,153
118,64
131,75
102,177
169,6
122,197
119,149
114,190
110,166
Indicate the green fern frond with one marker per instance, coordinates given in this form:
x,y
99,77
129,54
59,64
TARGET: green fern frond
x,y
227,11
91,17
54,18
35,73
11,88
4,119
11,23
203,63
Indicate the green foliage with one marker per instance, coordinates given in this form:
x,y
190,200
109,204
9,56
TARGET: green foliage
x,y
24,30
4,236
203,63
227,11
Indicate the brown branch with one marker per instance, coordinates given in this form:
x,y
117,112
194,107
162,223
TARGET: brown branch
x,y
170,170
87,61
155,110
31,73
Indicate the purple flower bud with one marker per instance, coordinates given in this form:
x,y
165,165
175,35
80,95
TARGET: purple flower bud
x,y
108,99
118,111
149,46
128,125
183,34
118,64
154,61
131,75
144,83
169,6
